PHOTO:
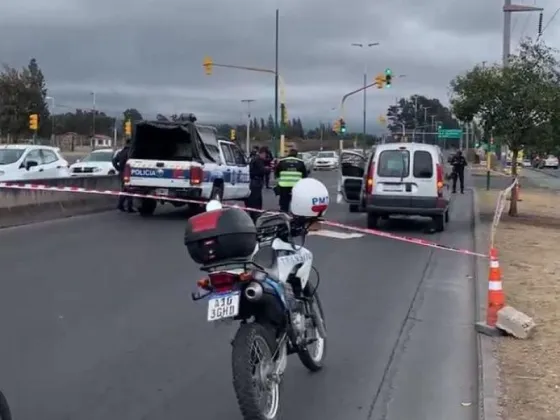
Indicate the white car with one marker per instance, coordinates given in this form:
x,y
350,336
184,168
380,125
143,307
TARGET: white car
x,y
97,163
325,160
551,162
26,161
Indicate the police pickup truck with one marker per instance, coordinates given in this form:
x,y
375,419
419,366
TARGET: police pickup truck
x,y
184,160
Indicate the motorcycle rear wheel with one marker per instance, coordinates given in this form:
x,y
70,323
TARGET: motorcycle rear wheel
x,y
258,396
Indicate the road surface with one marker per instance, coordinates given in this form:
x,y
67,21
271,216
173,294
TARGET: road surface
x,y
97,323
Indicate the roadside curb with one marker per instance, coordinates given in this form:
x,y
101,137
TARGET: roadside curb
x,y
544,172
489,387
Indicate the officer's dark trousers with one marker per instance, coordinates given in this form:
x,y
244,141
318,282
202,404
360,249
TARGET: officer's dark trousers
x,y
461,176
285,198
123,199
267,179
255,201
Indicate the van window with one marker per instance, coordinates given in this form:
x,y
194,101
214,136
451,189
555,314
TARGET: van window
x,y
214,152
394,164
423,165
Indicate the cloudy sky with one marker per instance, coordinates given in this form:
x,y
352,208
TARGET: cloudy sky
x,y
148,53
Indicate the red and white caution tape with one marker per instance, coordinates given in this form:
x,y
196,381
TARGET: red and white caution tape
x,y
81,190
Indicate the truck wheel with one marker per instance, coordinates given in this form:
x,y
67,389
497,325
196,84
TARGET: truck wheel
x,y
372,220
147,207
439,223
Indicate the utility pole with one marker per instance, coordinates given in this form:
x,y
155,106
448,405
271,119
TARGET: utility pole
x,y
51,111
248,138
275,145
363,46
425,123
93,111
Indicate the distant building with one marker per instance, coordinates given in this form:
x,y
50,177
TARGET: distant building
x,y
101,141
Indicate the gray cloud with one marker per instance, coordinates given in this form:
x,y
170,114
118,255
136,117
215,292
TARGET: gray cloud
x,y
148,54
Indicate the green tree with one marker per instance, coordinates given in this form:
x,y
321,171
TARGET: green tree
x,y
519,103
419,113
132,114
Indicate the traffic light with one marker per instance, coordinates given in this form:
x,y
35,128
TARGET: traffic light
x,y
208,64
379,80
388,77
34,122
342,126
382,119
283,114
232,134
128,128
336,126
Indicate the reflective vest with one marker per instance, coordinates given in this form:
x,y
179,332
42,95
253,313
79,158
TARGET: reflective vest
x,y
289,178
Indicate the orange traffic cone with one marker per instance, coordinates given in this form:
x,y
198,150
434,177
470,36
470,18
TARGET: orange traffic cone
x,y
496,297
518,189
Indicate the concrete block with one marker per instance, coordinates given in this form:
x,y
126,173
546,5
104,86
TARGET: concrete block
x,y
515,323
18,207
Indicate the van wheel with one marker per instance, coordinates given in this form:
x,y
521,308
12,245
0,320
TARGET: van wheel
x,y
439,222
446,216
354,208
372,219
147,207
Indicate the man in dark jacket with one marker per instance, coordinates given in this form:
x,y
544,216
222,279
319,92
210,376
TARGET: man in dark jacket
x,y
458,162
119,162
287,173
268,167
257,173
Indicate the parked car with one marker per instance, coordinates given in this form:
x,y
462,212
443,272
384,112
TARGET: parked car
x,y
550,162
307,159
325,160
397,179
97,163
26,161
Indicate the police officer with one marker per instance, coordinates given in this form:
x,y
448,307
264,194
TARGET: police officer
x,y
288,172
458,162
257,173
119,162
268,166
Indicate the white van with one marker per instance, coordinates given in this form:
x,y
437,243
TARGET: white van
x,y
397,179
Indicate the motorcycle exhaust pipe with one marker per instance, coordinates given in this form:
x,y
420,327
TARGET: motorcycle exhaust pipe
x,y
253,291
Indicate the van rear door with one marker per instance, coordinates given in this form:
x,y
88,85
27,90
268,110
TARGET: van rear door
x,y
424,172
351,178
393,178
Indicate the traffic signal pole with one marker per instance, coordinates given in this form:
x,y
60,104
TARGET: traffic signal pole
x,y
343,100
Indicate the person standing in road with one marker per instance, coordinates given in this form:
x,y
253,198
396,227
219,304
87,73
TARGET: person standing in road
x,y
254,152
268,167
458,162
119,162
257,172
288,172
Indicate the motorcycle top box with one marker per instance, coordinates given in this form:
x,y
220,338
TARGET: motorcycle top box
x,y
219,235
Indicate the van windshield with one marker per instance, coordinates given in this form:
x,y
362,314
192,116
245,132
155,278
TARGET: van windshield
x,y
8,156
394,164
159,141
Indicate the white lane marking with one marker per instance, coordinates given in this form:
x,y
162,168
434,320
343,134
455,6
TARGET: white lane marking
x,y
336,235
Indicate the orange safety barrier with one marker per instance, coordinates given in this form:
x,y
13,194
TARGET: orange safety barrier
x,y
496,296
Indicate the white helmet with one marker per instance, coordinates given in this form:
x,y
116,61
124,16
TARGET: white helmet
x,y
310,198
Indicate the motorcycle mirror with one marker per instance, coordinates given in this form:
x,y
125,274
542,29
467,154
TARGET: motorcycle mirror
x,y
213,205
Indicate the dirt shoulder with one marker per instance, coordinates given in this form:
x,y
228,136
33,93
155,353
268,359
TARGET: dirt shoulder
x,y
529,248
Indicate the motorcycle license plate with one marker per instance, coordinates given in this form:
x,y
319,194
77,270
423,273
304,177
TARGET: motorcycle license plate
x,y
162,191
223,306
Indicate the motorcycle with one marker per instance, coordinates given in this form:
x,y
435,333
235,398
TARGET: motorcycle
x,y
5,413
279,309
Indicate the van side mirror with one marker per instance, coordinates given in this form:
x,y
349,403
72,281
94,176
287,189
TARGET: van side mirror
x,y
31,164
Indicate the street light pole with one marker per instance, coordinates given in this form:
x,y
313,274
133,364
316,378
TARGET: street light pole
x,y
275,145
363,46
51,111
93,121
248,138
425,123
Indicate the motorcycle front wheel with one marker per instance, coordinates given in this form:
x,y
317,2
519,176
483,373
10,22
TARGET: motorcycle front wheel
x,y
256,388
5,413
313,355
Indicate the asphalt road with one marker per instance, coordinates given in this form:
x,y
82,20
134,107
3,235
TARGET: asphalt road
x,y
97,323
